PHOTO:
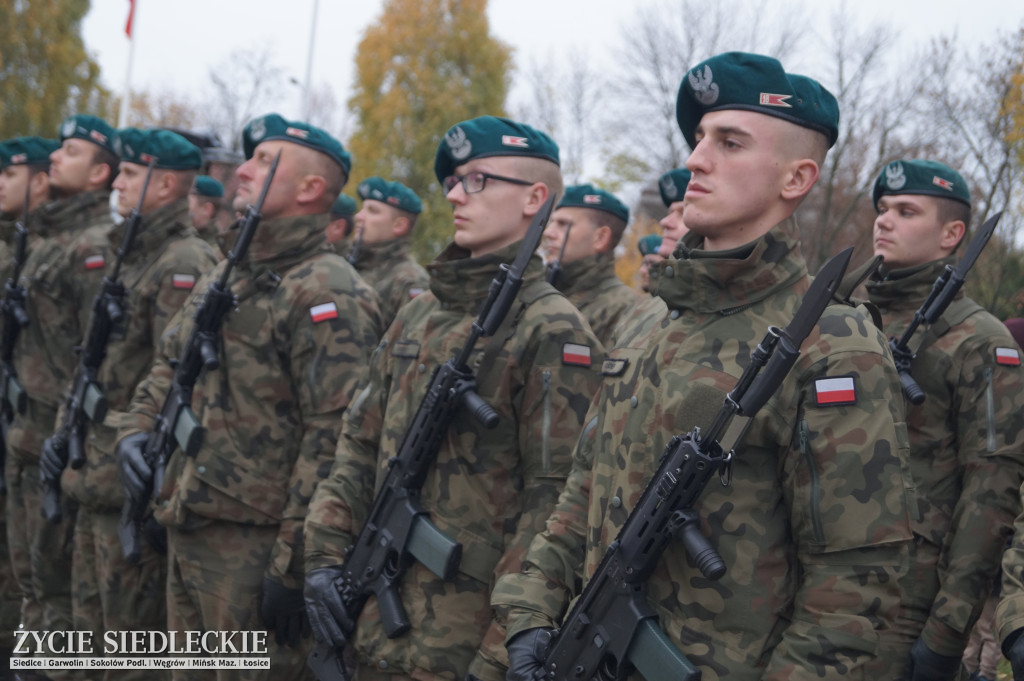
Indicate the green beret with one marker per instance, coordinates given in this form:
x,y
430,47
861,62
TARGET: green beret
x,y
274,127
170,150
22,151
373,188
207,186
649,244
589,196
752,82
344,207
672,185
921,177
392,193
490,136
89,128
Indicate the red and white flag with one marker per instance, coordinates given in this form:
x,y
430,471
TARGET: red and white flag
x,y
770,99
131,17
1008,357
323,312
183,281
941,182
95,262
839,390
576,354
513,141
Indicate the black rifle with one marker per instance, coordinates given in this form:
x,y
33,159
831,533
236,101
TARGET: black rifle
x,y
176,425
943,292
398,529
13,398
357,245
86,400
612,628
555,268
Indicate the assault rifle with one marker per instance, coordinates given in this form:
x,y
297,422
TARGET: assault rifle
x,y
176,425
13,398
398,529
357,245
555,268
612,628
943,292
86,400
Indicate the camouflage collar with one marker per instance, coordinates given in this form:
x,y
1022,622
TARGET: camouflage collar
x,y
158,227
722,281
73,212
905,289
278,242
382,253
461,282
7,230
585,274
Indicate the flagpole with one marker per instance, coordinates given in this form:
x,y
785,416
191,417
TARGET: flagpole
x,y
122,116
307,104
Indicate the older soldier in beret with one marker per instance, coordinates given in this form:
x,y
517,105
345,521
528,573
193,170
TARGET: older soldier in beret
x,y
291,355
204,203
24,175
813,526
159,270
61,275
488,489
340,227
579,244
380,244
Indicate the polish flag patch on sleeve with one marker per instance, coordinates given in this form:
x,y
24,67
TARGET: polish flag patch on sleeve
x,y
1008,357
95,262
575,354
413,292
183,281
323,312
839,390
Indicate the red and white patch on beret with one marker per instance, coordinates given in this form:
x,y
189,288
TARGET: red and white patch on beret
x,y
147,158
839,390
591,198
98,136
513,141
576,354
19,158
183,281
770,99
941,182
1008,357
95,262
323,312
297,132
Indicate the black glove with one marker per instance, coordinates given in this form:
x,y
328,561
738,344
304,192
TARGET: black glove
x,y
52,461
526,653
155,534
136,474
328,616
925,665
283,612
1016,654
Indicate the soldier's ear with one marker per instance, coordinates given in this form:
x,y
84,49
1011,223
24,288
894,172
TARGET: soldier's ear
x,y
539,193
950,234
799,179
400,226
312,188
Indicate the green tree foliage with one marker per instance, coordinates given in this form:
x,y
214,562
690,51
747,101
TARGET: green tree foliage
x,y
45,72
422,67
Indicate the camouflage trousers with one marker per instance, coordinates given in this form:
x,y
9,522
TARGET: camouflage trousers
x,y
10,592
213,584
110,594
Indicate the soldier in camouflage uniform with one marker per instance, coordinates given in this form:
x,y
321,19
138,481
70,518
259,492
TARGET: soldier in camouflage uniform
x,y
340,227
594,221
204,204
158,273
966,455
813,527
61,275
291,356
488,489
380,245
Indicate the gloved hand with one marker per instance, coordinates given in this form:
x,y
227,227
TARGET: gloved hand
x,y
1016,655
155,534
328,616
283,611
52,460
925,665
136,474
526,653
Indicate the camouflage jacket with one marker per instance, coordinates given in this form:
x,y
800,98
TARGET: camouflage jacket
x,y
62,273
166,259
489,489
6,247
966,448
593,287
813,527
389,268
291,356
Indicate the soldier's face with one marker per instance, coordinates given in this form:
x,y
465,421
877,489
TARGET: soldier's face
x,y
128,183
673,228
582,235
375,221
908,231
71,166
489,220
200,210
13,180
253,174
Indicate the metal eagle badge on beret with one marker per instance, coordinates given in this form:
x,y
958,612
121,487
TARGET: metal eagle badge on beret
x,y
67,128
258,129
895,178
668,186
704,89
459,143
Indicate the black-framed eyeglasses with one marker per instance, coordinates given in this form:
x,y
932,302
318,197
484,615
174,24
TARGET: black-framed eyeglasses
x,y
476,181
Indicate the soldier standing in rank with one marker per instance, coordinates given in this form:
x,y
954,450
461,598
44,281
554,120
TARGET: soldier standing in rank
x,y
165,260
204,204
672,187
340,227
966,454
648,246
488,489
580,243
813,526
380,245
291,356
61,276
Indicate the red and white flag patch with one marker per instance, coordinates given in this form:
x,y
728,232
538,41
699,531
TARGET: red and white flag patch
x,y
942,182
771,99
1008,357
183,281
95,262
323,312
576,354
413,292
513,141
840,390
591,198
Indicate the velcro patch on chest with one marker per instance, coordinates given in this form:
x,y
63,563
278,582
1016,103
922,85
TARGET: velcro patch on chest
x,y
614,366
407,349
576,354
1009,357
183,281
835,391
95,262
323,312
